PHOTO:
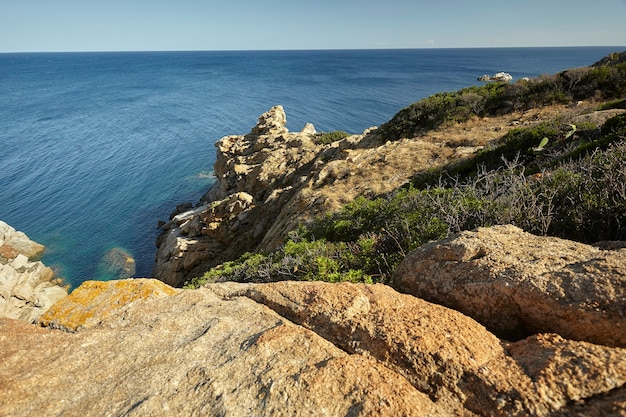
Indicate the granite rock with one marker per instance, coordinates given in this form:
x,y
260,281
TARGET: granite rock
x,y
27,287
291,349
518,284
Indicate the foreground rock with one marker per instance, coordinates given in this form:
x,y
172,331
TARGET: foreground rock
x,y
272,180
293,349
95,301
194,353
519,284
27,287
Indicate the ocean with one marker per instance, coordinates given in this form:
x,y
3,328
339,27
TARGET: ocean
x,y
96,148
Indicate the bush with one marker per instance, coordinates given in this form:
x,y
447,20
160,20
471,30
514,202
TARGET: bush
x,y
616,104
328,138
298,259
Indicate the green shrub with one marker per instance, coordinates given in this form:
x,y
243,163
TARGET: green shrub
x,y
298,259
616,104
328,138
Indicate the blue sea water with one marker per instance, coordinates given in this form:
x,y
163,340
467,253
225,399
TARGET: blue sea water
x,y
95,148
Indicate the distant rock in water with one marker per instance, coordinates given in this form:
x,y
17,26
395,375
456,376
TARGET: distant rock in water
x,y
28,288
500,77
117,264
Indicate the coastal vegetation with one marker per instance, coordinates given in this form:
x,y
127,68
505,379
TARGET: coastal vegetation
x,y
330,137
553,178
598,83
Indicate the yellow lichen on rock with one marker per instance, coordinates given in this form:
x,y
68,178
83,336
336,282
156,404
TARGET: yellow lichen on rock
x,y
94,301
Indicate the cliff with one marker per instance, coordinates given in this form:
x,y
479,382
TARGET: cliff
x,y
27,287
270,181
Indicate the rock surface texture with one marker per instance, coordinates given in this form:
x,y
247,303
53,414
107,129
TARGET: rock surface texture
x,y
27,287
518,284
271,180
292,349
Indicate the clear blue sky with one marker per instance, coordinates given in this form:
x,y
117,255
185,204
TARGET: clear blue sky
x,y
133,25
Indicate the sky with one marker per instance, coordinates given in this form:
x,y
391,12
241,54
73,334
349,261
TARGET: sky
x,y
167,25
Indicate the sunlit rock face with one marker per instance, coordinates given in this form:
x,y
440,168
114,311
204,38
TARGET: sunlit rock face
x,y
27,287
139,348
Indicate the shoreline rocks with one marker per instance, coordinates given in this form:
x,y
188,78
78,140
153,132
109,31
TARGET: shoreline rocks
x,y
28,288
500,77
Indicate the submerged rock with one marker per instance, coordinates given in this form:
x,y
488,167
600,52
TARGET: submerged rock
x,y
27,287
117,263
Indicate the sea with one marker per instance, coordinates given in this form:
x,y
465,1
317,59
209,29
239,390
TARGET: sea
x,y
96,148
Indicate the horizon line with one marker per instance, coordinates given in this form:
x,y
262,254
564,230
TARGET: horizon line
x,y
308,49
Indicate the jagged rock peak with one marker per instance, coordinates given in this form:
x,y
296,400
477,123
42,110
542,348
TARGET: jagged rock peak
x,y
272,122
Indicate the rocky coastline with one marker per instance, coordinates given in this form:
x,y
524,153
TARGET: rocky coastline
x,y
492,321
272,180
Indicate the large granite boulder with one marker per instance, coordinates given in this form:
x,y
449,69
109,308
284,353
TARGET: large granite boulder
x,y
293,349
518,284
27,287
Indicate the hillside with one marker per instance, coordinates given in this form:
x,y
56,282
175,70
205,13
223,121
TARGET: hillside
x,y
499,154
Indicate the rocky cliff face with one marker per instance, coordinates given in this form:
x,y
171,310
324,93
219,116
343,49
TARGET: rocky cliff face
x,y
27,287
271,180
305,348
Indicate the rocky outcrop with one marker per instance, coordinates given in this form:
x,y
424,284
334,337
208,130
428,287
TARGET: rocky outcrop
x,y
614,58
257,174
500,77
271,180
27,287
519,284
292,349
